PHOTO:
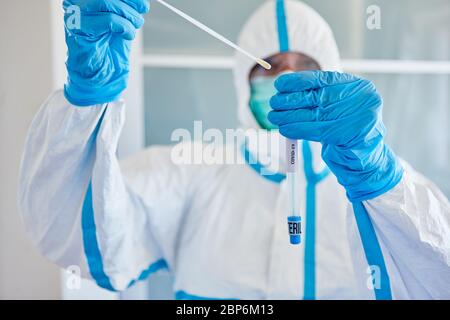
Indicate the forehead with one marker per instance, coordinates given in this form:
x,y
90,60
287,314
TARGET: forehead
x,y
280,62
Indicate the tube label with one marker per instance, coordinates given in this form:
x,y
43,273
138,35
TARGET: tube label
x,y
292,155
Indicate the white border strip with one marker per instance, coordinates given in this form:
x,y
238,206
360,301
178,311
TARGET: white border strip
x,y
360,66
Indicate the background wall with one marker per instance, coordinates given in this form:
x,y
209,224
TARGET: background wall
x,y
26,78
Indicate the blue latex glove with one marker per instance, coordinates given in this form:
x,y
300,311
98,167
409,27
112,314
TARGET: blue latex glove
x,y
98,51
344,113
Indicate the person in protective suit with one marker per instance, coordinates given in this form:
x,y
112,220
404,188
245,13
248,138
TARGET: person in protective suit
x,y
373,227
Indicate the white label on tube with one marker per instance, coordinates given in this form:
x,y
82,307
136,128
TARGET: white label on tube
x,y
292,155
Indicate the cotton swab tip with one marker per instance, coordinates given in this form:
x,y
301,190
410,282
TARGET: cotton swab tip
x,y
264,64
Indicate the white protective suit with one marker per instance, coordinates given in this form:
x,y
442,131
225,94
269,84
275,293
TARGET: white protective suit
x,y
221,229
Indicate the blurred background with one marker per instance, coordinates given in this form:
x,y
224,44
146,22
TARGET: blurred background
x,y
408,58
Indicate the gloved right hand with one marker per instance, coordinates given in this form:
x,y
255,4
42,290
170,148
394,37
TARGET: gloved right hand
x,y
99,48
344,114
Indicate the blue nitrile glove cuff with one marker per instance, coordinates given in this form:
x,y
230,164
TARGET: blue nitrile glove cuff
x,y
84,96
364,180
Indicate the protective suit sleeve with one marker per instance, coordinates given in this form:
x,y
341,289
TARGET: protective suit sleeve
x,y
412,224
77,206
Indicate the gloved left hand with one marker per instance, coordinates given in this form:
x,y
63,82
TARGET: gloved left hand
x,y
99,47
344,113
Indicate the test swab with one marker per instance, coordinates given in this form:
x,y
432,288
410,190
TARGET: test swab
x,y
294,218
200,25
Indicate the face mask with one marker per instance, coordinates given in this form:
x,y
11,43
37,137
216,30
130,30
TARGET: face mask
x,y
261,90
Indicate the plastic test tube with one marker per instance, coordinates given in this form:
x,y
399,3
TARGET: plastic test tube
x,y
294,219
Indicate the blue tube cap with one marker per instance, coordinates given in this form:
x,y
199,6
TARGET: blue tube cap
x,y
295,229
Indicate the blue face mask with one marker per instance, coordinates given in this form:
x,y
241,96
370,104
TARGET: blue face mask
x,y
261,90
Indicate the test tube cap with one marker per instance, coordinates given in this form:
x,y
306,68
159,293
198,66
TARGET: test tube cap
x,y
295,230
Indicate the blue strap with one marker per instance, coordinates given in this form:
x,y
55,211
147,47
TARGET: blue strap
x,y
311,176
312,179
91,248
92,251
309,284
259,168
283,38
372,250
154,267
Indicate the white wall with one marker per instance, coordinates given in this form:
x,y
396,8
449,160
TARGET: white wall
x,y
26,78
